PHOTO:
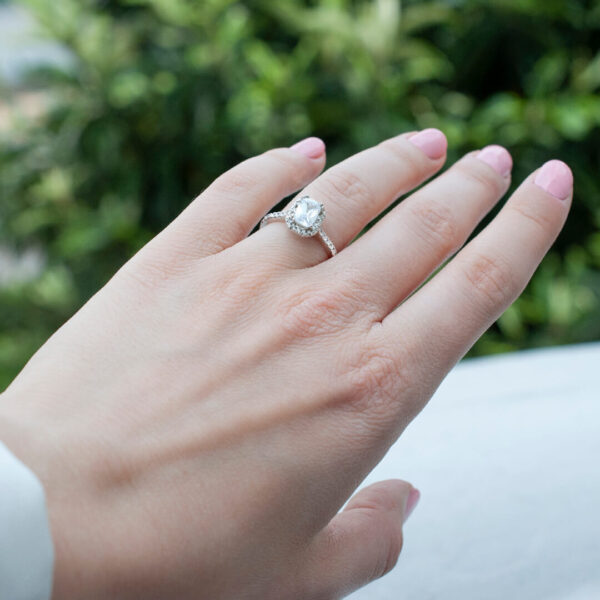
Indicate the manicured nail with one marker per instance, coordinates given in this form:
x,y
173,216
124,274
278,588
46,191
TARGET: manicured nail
x,y
498,158
313,147
556,178
431,141
413,500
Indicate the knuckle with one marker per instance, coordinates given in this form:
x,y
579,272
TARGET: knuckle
x,y
474,175
414,166
394,548
222,237
389,533
352,281
237,181
237,229
492,280
317,310
279,159
153,269
282,157
398,151
437,225
540,219
237,289
342,182
374,375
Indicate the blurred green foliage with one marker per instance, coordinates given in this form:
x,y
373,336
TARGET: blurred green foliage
x,y
161,96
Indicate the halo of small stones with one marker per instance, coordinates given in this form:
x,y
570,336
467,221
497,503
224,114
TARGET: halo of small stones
x,y
304,231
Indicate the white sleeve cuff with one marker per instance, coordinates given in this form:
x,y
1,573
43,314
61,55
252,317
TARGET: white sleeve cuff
x,y
26,550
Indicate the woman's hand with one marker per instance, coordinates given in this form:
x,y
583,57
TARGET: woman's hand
x,y
199,423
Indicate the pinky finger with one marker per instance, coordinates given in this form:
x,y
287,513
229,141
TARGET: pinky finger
x,y
445,317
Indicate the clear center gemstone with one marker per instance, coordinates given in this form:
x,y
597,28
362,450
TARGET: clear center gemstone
x,y
306,212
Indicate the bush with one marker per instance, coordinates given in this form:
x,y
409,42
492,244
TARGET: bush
x,y
160,96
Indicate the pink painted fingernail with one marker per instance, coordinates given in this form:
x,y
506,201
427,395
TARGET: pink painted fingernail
x,y
413,500
556,178
498,158
431,141
313,147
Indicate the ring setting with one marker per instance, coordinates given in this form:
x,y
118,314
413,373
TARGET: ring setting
x,y
305,218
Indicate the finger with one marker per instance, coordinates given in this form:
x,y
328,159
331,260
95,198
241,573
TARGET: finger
x,y
363,542
396,255
444,318
233,204
356,190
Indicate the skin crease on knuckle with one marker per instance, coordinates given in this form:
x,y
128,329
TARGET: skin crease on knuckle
x,y
236,230
320,308
543,220
239,285
394,545
414,168
376,376
477,175
151,269
297,173
341,182
436,226
492,286
235,183
384,525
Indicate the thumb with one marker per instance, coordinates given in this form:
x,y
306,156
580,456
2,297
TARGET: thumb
x,y
362,542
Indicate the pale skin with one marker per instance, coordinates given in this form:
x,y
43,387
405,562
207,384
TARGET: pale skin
x,y
200,422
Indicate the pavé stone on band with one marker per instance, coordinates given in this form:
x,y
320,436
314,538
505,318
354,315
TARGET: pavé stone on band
x,y
305,218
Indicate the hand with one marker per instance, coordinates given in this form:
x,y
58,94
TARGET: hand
x,y
200,422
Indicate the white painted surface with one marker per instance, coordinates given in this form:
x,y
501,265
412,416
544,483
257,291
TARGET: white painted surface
x,y
507,458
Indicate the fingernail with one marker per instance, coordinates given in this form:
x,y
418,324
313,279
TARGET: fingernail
x,y
556,178
431,141
413,500
498,158
313,147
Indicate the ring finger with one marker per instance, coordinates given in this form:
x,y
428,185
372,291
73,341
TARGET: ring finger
x,y
356,190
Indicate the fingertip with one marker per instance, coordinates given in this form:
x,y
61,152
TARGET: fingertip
x,y
556,178
311,147
431,141
411,502
498,158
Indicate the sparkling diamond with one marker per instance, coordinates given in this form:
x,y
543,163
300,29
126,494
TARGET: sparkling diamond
x,y
306,212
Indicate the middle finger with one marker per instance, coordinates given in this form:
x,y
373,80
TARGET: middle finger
x,y
356,190
398,254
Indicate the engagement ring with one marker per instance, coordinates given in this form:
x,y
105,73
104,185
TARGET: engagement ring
x,y
305,218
